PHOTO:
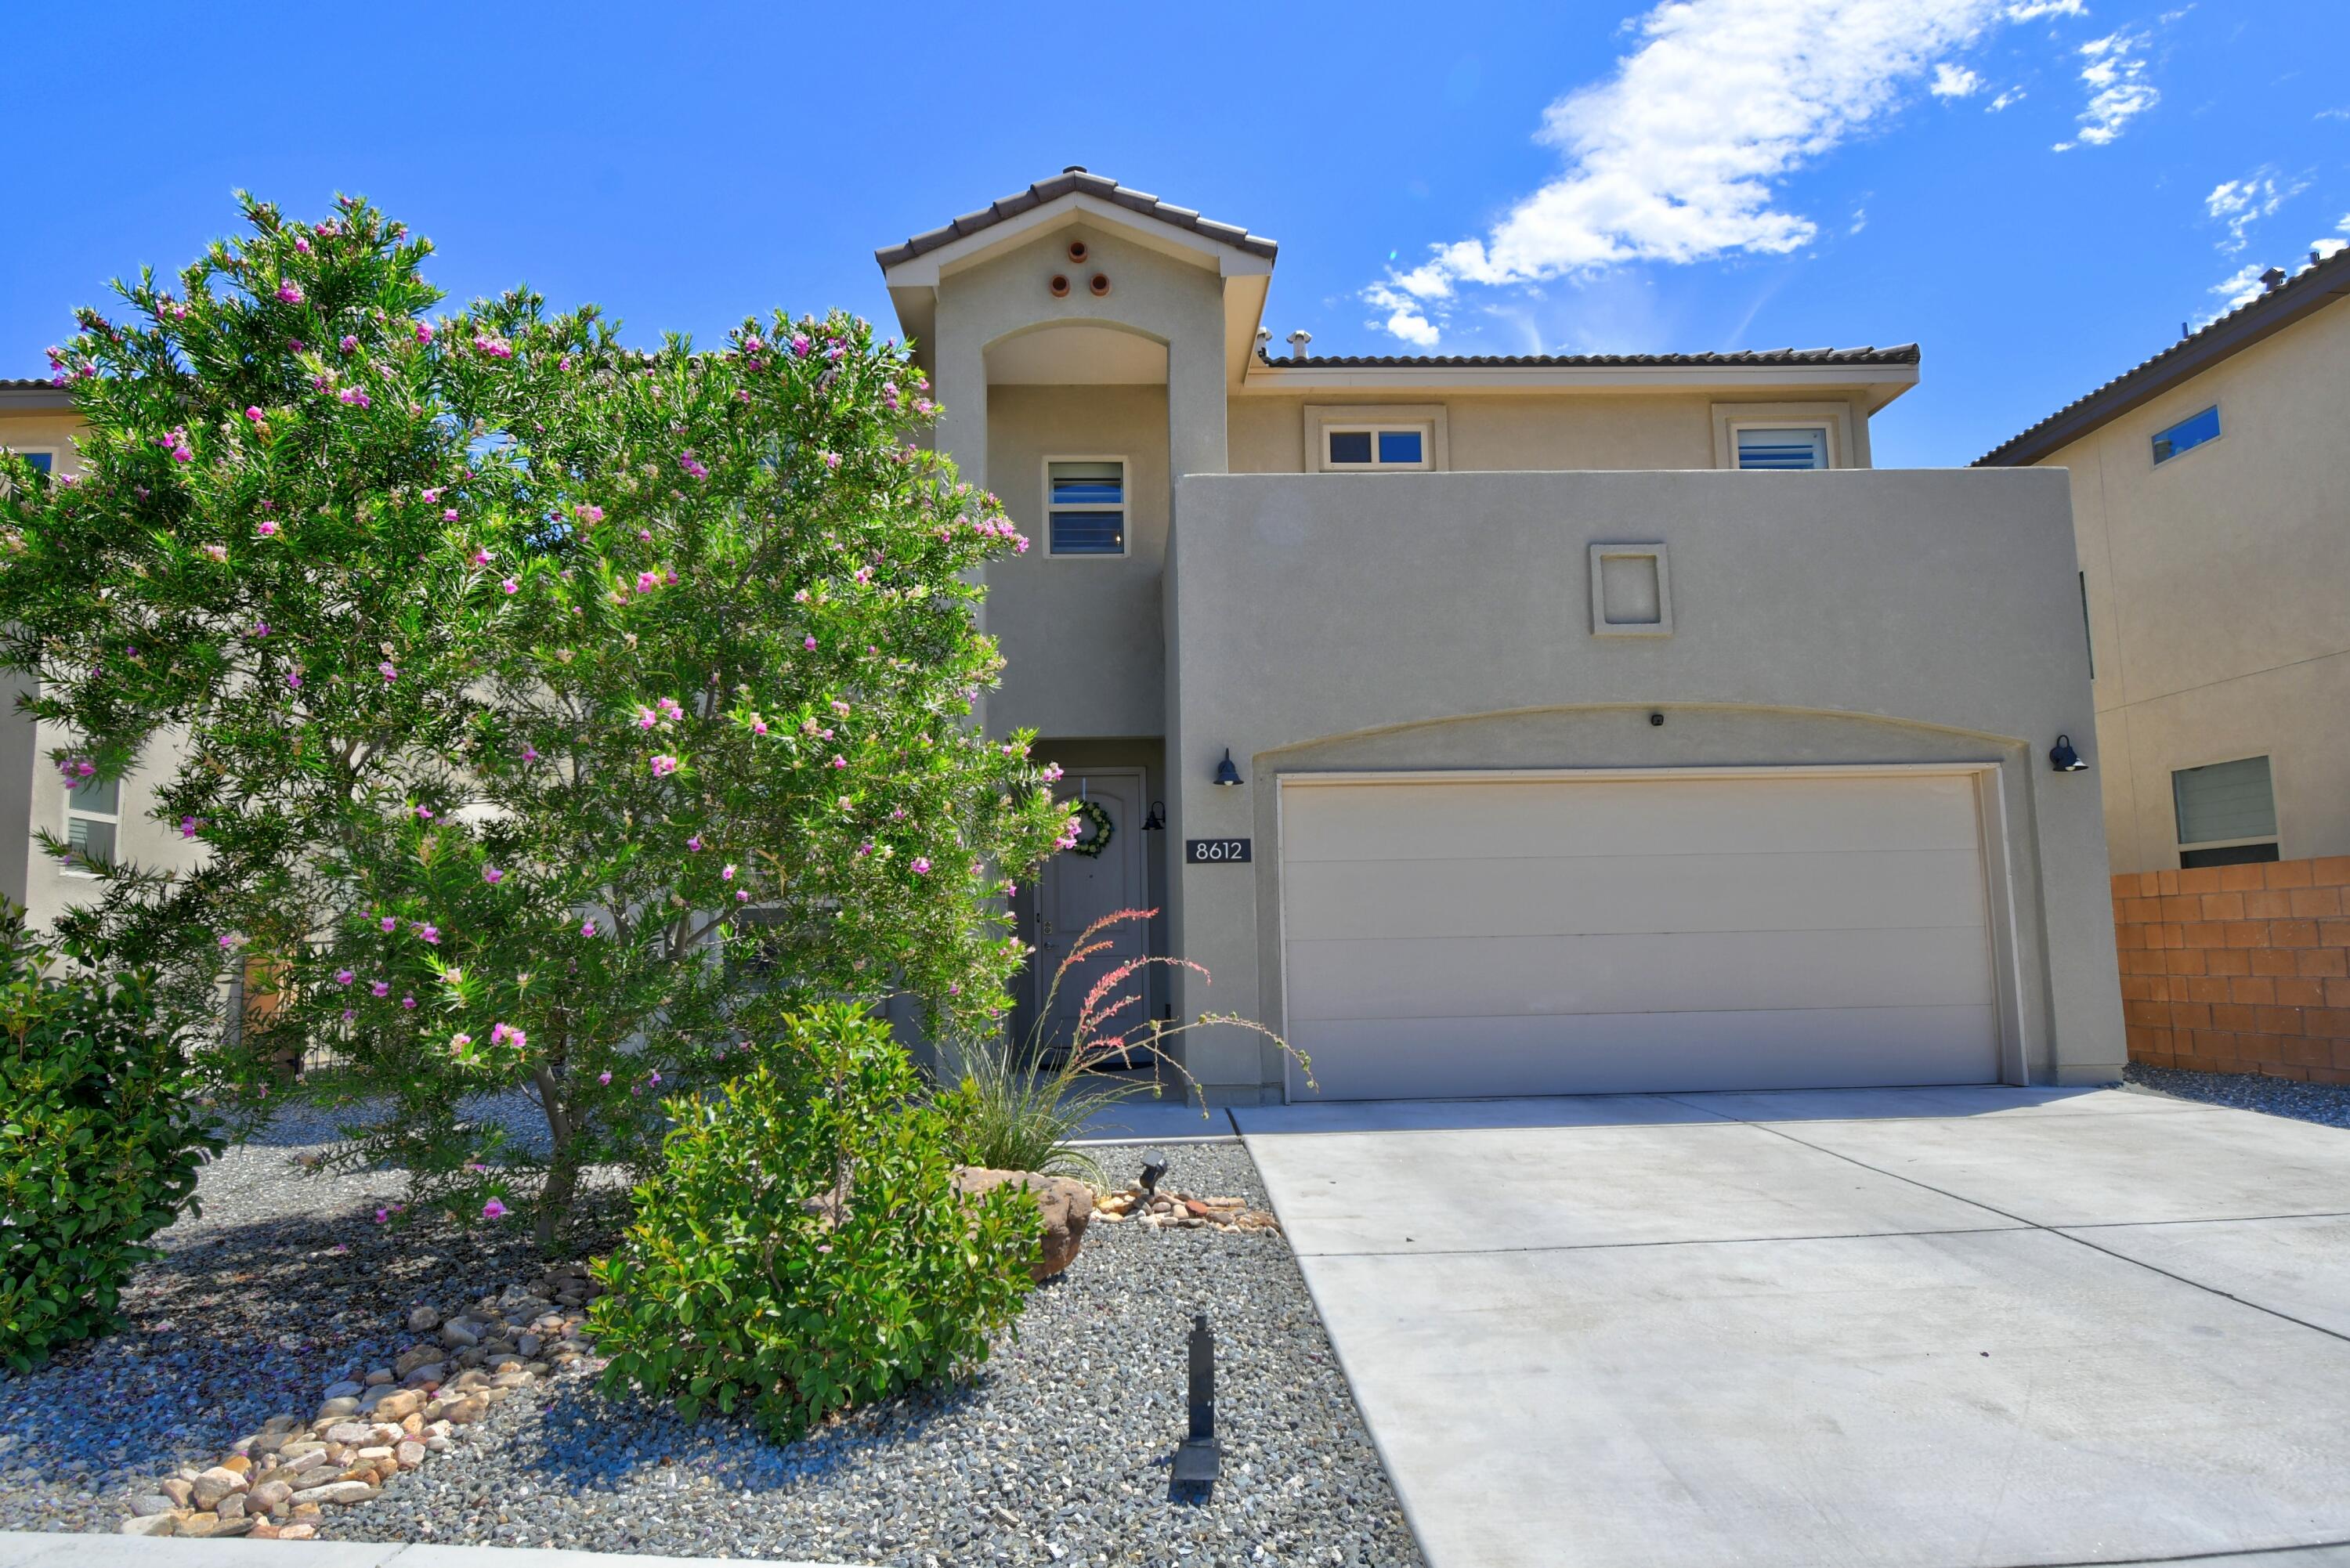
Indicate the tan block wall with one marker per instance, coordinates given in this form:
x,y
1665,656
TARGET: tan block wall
x,y
2239,969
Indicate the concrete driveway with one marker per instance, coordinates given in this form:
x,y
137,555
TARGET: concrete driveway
x,y
1921,1326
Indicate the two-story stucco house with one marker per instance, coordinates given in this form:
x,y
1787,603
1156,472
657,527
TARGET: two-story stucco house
x,y
1493,726
1489,726
2212,499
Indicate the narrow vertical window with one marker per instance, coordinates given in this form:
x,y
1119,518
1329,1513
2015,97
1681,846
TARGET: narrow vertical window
x,y
2088,638
93,814
1085,506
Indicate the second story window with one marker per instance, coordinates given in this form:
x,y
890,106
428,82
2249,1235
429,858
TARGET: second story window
x,y
93,814
1085,506
1783,447
1376,446
2186,434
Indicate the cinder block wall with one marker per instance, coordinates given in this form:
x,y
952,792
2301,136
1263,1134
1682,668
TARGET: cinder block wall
x,y
2239,969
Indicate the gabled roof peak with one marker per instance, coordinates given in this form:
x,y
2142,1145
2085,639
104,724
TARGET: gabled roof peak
x,y
1075,179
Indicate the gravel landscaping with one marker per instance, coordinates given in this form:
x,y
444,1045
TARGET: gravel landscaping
x,y
1057,1452
2326,1102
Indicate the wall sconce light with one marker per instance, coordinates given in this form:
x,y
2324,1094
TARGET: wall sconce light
x,y
1155,819
2064,759
1227,775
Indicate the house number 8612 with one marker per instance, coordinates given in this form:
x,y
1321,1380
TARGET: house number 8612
x,y
1215,851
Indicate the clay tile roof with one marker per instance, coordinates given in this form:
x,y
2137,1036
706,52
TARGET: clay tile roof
x,y
2311,288
1081,182
1898,354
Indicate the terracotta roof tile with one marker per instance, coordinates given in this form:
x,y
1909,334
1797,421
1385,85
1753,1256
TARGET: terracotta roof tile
x,y
1077,182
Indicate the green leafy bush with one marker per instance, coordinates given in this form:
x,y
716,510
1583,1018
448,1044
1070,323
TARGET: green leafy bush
x,y
503,675
100,1141
803,1247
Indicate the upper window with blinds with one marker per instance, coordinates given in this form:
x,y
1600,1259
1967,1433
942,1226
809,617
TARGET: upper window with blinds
x,y
1783,447
93,815
1085,506
2226,813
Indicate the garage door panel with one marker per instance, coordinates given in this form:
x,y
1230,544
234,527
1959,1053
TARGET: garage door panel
x,y
1710,971
1551,894
1627,816
1572,934
1650,1052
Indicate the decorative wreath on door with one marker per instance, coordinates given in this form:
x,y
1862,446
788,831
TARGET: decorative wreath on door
x,y
1092,844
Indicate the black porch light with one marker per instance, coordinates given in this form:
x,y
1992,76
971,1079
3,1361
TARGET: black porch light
x,y
2064,759
1155,820
1227,775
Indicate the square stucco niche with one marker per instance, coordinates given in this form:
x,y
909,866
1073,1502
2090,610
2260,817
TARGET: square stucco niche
x,y
1631,591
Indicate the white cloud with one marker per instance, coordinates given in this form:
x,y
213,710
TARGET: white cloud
x,y
2013,94
2118,90
2328,248
1677,157
1954,81
2240,203
2242,287
1859,220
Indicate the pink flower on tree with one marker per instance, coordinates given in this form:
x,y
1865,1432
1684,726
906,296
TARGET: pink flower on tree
x,y
728,874
664,765
289,293
424,333
348,344
507,1035
267,528
390,923
510,587
344,977
492,875
587,927
254,414
381,987
921,865
494,1210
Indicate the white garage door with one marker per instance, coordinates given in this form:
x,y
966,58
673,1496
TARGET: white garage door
x,y
1555,934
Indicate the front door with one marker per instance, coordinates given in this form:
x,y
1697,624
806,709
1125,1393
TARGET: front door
x,y
1075,889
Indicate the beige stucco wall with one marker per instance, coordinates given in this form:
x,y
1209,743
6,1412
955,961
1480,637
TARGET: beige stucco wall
x,y
1056,686
2219,592
1081,638
1815,621
1511,432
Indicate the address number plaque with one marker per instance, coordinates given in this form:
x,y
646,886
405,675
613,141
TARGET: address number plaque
x,y
1216,851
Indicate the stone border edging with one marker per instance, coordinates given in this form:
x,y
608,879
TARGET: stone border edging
x,y
56,1549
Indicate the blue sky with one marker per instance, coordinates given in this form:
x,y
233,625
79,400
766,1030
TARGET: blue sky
x,y
2040,191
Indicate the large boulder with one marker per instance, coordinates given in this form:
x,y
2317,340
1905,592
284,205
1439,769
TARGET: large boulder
x,y
1063,1203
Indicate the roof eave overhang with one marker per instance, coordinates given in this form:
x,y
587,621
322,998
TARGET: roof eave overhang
x,y
2135,388
1879,384
32,400
925,270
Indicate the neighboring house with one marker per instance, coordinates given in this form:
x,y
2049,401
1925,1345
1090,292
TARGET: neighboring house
x,y
2212,504
1481,725
110,816
1489,726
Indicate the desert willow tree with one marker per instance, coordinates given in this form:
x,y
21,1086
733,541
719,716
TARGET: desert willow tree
x,y
551,715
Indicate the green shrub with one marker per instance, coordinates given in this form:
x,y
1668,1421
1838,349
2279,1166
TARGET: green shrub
x,y
100,1141
803,1247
